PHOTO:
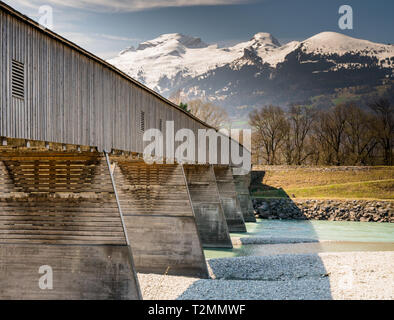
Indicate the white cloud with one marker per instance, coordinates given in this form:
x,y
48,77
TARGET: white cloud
x,y
106,55
81,39
103,45
116,38
31,4
86,39
125,5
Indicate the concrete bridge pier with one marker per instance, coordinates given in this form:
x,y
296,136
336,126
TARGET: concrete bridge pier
x,y
228,197
159,218
242,183
204,194
60,231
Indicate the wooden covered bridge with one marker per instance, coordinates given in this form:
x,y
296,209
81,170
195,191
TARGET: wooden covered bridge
x,y
75,193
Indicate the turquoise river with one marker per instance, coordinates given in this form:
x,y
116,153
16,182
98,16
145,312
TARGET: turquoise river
x,y
333,236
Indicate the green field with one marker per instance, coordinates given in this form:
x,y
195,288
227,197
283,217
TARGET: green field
x,y
326,183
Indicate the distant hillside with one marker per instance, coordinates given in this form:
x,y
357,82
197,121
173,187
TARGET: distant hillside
x,y
326,182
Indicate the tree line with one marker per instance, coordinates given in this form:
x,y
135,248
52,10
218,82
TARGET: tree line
x,y
345,134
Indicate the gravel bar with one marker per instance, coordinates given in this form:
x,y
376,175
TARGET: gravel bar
x,y
344,275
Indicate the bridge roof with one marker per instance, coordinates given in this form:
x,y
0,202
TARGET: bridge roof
x,y
90,55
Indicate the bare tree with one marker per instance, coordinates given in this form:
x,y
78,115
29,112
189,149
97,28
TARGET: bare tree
x,y
208,112
384,127
345,134
288,147
330,130
257,146
360,139
301,119
271,127
176,97
314,147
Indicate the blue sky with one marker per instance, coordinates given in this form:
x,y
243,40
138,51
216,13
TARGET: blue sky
x,y
105,27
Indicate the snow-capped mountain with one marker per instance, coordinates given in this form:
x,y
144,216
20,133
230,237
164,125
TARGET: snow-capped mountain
x,y
258,71
171,54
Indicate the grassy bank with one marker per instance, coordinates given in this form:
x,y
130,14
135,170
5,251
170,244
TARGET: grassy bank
x,y
323,183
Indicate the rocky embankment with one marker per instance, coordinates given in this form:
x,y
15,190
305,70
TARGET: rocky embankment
x,y
334,210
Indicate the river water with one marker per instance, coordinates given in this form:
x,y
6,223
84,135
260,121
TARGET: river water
x,y
335,236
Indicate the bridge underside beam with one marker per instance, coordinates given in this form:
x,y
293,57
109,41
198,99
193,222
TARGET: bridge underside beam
x,y
59,210
228,196
159,218
242,183
204,194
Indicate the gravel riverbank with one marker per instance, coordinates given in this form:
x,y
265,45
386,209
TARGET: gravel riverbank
x,y
342,275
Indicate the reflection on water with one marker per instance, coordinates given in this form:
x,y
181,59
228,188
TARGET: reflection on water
x,y
348,236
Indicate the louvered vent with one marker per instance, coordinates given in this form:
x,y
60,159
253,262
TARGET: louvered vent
x,y
142,121
18,79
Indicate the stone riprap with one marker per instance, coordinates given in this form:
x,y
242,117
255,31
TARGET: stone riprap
x,y
334,210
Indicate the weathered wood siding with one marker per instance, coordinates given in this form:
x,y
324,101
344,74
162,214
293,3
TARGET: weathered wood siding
x,y
60,199
73,97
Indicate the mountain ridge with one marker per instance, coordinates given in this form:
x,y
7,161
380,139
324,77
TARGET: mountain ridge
x,y
258,71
